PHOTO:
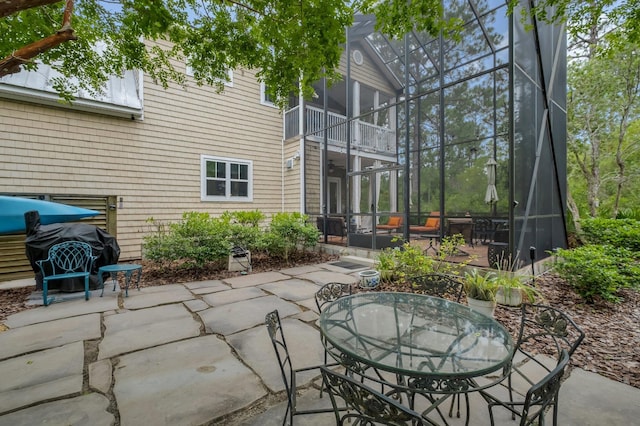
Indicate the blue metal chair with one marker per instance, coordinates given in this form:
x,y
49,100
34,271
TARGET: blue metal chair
x,y
70,259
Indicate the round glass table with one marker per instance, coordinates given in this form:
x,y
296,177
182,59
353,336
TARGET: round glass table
x,y
415,335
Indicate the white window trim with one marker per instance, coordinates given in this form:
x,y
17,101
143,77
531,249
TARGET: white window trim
x,y
263,96
229,82
227,197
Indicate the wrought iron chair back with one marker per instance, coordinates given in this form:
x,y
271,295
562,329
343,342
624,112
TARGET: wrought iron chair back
x,y
539,397
371,406
439,285
331,292
276,333
70,259
547,327
541,323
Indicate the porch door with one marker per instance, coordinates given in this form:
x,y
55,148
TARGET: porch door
x,y
335,195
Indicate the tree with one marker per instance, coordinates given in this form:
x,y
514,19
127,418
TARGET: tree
x,y
284,40
290,43
604,102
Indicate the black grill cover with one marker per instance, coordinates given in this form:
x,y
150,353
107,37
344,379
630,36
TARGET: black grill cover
x,y
40,238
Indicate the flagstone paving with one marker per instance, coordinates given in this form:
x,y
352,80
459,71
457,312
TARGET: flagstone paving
x,y
199,354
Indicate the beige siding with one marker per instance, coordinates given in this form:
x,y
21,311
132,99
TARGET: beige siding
x,y
154,163
368,73
292,178
313,157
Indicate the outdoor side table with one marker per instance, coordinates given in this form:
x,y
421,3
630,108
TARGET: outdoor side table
x,y
127,268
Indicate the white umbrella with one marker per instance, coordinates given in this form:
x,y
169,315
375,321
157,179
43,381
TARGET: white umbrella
x,y
492,193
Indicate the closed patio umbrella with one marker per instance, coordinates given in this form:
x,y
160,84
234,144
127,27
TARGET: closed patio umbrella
x,y
492,193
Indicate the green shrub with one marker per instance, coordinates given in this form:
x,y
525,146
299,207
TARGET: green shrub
x,y
398,263
629,213
244,228
598,270
623,233
196,240
289,232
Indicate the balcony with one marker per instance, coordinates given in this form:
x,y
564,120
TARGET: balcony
x,y
364,136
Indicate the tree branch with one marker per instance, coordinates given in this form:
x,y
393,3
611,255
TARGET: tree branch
x,y
9,7
11,64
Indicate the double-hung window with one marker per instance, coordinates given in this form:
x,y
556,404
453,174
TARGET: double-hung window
x,y
265,97
226,179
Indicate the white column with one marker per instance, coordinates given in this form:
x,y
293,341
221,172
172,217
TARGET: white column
x,y
393,190
356,184
356,112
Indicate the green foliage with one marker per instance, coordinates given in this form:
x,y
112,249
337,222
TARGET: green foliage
x,y
244,228
398,263
287,233
197,239
282,39
480,286
623,233
599,271
449,246
629,213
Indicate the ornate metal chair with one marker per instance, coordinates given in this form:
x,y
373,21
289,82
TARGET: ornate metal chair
x,y
274,326
539,397
70,259
543,326
370,406
445,287
439,285
331,292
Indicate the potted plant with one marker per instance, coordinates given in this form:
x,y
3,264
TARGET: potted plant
x,y
386,265
481,290
512,289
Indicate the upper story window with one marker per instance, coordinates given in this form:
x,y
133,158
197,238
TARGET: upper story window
x,y
265,97
227,82
120,96
226,179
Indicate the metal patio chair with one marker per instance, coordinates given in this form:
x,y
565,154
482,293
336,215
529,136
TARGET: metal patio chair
x,y
438,285
552,327
70,259
446,287
539,397
366,405
274,327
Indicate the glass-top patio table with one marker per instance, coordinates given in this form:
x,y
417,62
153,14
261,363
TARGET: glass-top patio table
x,y
431,345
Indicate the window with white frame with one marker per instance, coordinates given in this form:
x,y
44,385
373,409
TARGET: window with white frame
x,y
265,97
226,179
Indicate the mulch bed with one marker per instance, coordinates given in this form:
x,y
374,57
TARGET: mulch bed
x,y
611,347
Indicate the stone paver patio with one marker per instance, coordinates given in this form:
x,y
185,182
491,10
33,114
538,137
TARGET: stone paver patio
x,y
198,353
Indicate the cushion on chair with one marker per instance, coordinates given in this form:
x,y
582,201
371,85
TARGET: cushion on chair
x,y
394,221
432,224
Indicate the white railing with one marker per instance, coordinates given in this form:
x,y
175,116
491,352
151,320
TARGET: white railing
x,y
375,137
336,126
364,135
292,122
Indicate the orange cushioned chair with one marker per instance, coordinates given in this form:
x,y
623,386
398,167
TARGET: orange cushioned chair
x,y
394,223
432,225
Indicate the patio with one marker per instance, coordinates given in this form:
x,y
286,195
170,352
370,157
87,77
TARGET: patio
x,y
176,354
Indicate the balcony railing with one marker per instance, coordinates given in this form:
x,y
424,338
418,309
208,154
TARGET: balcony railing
x,y
364,136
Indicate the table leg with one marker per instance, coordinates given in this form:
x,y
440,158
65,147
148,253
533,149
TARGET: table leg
x,y
101,282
